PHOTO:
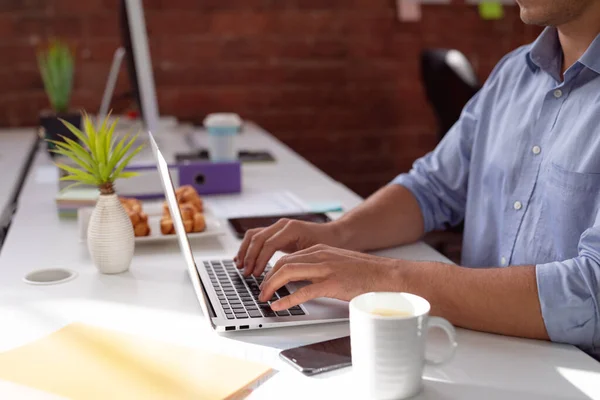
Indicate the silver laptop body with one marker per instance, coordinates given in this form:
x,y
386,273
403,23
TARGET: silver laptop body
x,y
229,299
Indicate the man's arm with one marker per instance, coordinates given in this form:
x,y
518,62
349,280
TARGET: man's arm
x,y
390,217
497,300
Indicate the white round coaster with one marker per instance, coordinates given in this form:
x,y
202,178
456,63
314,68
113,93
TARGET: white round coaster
x,y
51,276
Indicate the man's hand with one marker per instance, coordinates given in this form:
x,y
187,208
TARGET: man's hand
x,y
334,273
286,235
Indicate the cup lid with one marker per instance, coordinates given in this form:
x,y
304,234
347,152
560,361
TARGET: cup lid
x,y
222,120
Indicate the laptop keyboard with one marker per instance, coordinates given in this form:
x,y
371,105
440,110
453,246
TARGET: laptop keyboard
x,y
239,295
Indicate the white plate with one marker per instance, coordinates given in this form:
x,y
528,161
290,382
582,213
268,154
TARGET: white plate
x,y
214,227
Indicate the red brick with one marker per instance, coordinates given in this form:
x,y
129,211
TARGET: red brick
x,y
18,54
101,25
23,109
23,5
7,26
98,50
77,7
65,27
22,80
91,76
238,23
171,23
30,24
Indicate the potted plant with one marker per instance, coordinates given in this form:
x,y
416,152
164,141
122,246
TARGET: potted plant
x,y
55,63
99,159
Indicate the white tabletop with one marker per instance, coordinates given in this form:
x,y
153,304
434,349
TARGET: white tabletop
x,y
155,299
15,147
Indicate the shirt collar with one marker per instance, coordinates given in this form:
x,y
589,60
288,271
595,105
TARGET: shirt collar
x,y
591,57
546,53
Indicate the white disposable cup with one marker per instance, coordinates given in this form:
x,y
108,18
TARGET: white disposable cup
x,y
388,353
222,130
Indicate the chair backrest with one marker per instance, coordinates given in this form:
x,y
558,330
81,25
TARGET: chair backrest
x,y
450,82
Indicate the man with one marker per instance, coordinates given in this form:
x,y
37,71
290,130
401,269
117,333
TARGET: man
x,y
521,166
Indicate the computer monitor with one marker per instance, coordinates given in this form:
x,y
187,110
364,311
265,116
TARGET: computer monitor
x,y
138,61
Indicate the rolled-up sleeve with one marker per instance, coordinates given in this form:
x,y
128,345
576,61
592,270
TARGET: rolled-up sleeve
x,y
439,179
569,291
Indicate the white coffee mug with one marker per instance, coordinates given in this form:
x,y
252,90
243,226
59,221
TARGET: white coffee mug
x,y
388,352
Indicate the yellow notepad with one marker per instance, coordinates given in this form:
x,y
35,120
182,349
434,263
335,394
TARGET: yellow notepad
x,y
85,362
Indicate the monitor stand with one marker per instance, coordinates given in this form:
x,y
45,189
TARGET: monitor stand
x,y
109,89
164,122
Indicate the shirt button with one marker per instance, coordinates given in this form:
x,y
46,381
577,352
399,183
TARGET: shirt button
x,y
503,261
536,150
558,93
517,206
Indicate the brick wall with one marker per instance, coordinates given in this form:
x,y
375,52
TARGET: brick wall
x,y
337,80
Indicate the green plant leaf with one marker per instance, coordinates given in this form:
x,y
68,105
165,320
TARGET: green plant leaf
x,y
126,161
91,134
56,68
115,155
77,175
104,172
127,174
110,141
71,186
103,125
82,154
72,156
118,156
75,131
100,147
78,179
78,150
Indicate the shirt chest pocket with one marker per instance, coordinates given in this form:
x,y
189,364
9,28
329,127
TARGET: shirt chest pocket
x,y
570,203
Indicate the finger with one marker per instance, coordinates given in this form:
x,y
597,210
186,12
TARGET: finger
x,y
276,242
256,244
290,259
239,258
335,250
312,255
301,295
291,273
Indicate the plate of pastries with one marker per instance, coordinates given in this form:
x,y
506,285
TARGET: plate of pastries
x,y
153,222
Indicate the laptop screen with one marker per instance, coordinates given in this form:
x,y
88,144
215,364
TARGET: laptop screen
x,y
184,243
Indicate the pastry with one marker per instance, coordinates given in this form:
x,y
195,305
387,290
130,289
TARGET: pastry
x,y
166,226
139,220
190,208
133,216
189,225
199,222
141,229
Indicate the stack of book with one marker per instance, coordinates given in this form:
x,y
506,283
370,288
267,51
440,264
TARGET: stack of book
x,y
70,200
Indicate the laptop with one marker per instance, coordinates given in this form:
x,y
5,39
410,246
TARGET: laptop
x,y
228,299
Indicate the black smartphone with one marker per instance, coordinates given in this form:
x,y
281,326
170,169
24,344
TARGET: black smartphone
x,y
320,357
241,225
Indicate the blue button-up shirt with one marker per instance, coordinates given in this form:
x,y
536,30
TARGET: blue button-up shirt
x,y
522,168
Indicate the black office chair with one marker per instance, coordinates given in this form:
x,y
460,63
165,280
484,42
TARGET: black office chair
x,y
449,81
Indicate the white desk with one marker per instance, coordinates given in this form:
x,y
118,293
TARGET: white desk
x,y
15,148
155,299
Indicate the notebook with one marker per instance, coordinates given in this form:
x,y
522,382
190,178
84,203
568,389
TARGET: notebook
x,y
85,362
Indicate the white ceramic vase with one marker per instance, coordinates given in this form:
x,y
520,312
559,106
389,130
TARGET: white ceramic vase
x,y
110,236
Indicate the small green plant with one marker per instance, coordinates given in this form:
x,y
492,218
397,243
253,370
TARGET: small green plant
x,y
56,67
99,159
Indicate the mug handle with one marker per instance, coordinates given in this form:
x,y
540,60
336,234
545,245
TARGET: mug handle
x,y
437,322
